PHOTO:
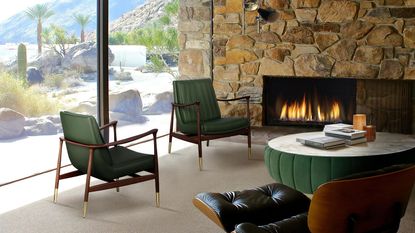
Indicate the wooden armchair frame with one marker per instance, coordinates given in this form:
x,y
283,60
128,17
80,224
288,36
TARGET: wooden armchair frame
x,y
135,178
199,137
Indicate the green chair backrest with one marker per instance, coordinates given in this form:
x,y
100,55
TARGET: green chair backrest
x,y
190,91
84,129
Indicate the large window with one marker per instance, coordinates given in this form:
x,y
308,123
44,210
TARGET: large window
x,y
48,63
143,63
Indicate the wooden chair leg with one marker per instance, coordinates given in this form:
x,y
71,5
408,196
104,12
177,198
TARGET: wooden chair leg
x,y
199,145
58,172
117,188
249,144
157,191
87,182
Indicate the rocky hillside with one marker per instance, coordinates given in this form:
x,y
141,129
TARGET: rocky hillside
x,y
19,28
152,9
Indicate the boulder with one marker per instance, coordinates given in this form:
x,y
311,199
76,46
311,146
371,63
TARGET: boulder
x,y
41,126
88,107
83,57
126,102
34,76
48,62
11,123
121,76
162,103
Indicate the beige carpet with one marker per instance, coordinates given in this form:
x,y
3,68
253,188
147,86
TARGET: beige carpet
x,y
132,210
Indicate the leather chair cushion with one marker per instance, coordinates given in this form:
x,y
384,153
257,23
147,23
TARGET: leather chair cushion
x,y
216,126
294,224
259,206
127,162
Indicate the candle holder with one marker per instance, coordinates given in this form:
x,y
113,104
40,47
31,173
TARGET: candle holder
x,y
370,132
359,120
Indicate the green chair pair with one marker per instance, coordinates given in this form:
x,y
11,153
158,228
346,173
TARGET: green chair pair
x,y
198,117
108,162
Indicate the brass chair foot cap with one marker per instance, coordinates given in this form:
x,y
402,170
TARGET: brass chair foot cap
x,y
169,150
200,164
85,208
157,199
55,196
249,153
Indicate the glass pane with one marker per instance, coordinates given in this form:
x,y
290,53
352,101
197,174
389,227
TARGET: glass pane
x,y
144,52
47,64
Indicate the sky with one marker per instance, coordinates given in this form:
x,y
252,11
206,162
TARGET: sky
x,y
10,8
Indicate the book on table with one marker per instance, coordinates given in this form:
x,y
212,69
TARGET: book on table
x,y
346,133
322,142
351,142
330,127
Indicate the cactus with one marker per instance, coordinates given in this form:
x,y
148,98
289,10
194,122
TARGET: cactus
x,y
21,61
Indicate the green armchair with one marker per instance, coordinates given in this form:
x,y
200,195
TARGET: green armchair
x,y
91,155
198,116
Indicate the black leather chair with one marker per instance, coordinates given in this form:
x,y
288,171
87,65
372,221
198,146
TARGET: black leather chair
x,y
370,202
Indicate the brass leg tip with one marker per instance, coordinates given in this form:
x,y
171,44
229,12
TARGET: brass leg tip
x,y
85,208
249,153
55,196
169,148
157,199
200,164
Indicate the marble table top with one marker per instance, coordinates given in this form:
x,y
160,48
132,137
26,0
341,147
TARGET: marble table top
x,y
385,143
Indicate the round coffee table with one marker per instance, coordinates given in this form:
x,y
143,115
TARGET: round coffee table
x,y
305,168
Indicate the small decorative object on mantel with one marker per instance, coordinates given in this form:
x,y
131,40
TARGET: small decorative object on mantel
x,y
370,132
264,14
359,121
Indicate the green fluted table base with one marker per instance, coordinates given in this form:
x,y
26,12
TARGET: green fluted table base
x,y
306,173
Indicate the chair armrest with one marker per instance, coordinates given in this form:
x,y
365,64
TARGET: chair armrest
x,y
114,125
239,98
123,141
294,224
185,105
248,228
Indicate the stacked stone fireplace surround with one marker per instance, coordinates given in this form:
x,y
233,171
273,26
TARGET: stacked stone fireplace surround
x,y
365,40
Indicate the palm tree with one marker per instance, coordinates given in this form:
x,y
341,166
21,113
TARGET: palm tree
x,y
39,12
82,20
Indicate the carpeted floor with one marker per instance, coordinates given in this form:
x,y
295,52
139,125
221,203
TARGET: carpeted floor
x,y
132,210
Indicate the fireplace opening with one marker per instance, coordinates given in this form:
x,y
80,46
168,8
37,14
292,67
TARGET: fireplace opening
x,y
308,101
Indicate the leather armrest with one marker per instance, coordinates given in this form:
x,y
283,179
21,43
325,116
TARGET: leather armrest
x,y
294,224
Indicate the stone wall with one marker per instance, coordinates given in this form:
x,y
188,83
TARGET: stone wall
x,y
325,38
195,39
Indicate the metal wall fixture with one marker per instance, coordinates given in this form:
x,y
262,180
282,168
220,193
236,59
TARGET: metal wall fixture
x,y
265,14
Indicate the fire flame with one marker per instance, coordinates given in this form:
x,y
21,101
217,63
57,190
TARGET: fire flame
x,y
302,111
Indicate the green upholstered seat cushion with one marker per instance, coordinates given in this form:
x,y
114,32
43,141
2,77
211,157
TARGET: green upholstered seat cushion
x,y
127,162
216,126
108,164
197,90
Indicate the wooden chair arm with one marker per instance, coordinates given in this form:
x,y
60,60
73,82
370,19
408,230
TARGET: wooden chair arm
x,y
239,98
123,141
114,125
185,105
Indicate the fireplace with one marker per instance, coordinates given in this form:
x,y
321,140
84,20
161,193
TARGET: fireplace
x,y
308,101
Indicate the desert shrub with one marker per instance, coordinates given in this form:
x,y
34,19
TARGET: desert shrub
x,y
30,101
54,81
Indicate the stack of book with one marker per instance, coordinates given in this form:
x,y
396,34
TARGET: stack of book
x,y
322,142
346,132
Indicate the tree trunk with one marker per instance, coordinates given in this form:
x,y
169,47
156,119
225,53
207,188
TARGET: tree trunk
x,y
82,36
39,37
